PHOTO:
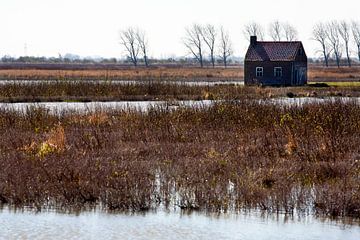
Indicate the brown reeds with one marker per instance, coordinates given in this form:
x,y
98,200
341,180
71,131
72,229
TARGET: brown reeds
x,y
155,90
230,156
165,73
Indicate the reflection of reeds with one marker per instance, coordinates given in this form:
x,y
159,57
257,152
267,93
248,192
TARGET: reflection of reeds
x,y
229,156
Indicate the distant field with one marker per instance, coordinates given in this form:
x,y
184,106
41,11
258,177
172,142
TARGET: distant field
x,y
334,74
158,73
316,73
343,84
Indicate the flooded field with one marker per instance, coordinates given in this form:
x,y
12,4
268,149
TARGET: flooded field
x,y
170,225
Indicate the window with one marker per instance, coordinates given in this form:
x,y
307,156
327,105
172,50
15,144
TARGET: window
x,y
259,71
278,72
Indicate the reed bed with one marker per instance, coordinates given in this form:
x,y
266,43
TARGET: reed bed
x,y
227,157
155,90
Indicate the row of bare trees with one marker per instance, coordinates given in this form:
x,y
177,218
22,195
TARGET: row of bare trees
x,y
207,42
277,31
202,39
335,38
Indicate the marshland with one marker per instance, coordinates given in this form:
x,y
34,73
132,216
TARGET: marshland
x,y
229,156
162,83
200,149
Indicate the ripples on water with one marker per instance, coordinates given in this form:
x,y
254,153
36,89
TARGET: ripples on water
x,y
169,225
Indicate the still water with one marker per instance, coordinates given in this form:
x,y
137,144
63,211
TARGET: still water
x,y
170,225
58,107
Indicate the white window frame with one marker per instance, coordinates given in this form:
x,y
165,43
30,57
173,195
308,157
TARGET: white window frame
x,y
259,72
281,72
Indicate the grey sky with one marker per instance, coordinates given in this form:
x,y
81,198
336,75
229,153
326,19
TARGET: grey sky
x,y
90,27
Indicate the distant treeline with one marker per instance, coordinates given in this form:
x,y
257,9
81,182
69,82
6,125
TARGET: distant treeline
x,y
31,59
8,62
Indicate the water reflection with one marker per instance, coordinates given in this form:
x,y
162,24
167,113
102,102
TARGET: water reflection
x,y
57,107
169,225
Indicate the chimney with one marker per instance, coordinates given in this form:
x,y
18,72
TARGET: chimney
x,y
253,40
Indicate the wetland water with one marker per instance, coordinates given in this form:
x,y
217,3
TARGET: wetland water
x,y
55,107
162,224
170,225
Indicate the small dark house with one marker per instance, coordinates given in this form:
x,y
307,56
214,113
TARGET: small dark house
x,y
275,63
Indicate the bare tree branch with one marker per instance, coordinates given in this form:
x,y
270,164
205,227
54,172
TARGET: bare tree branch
x,y
334,37
143,44
209,36
355,27
344,31
254,29
128,40
225,46
320,35
290,32
275,31
193,42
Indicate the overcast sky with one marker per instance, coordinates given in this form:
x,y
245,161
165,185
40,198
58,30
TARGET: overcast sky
x,y
91,27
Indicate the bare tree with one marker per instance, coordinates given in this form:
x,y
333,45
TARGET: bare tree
x,y
253,29
143,44
320,35
209,36
128,40
355,26
344,31
225,46
275,31
194,42
334,37
290,32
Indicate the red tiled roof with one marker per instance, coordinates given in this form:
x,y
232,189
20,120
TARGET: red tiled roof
x,y
273,51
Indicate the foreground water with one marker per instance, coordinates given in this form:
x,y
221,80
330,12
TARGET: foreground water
x,y
57,107
170,225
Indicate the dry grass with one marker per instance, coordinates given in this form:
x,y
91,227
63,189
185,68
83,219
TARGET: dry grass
x,y
126,74
230,156
334,74
154,90
171,73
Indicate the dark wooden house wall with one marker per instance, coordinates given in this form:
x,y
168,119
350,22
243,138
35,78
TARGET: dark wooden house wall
x,y
268,77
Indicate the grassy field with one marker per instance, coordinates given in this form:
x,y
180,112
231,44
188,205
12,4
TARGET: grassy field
x,y
227,157
343,84
156,73
316,74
